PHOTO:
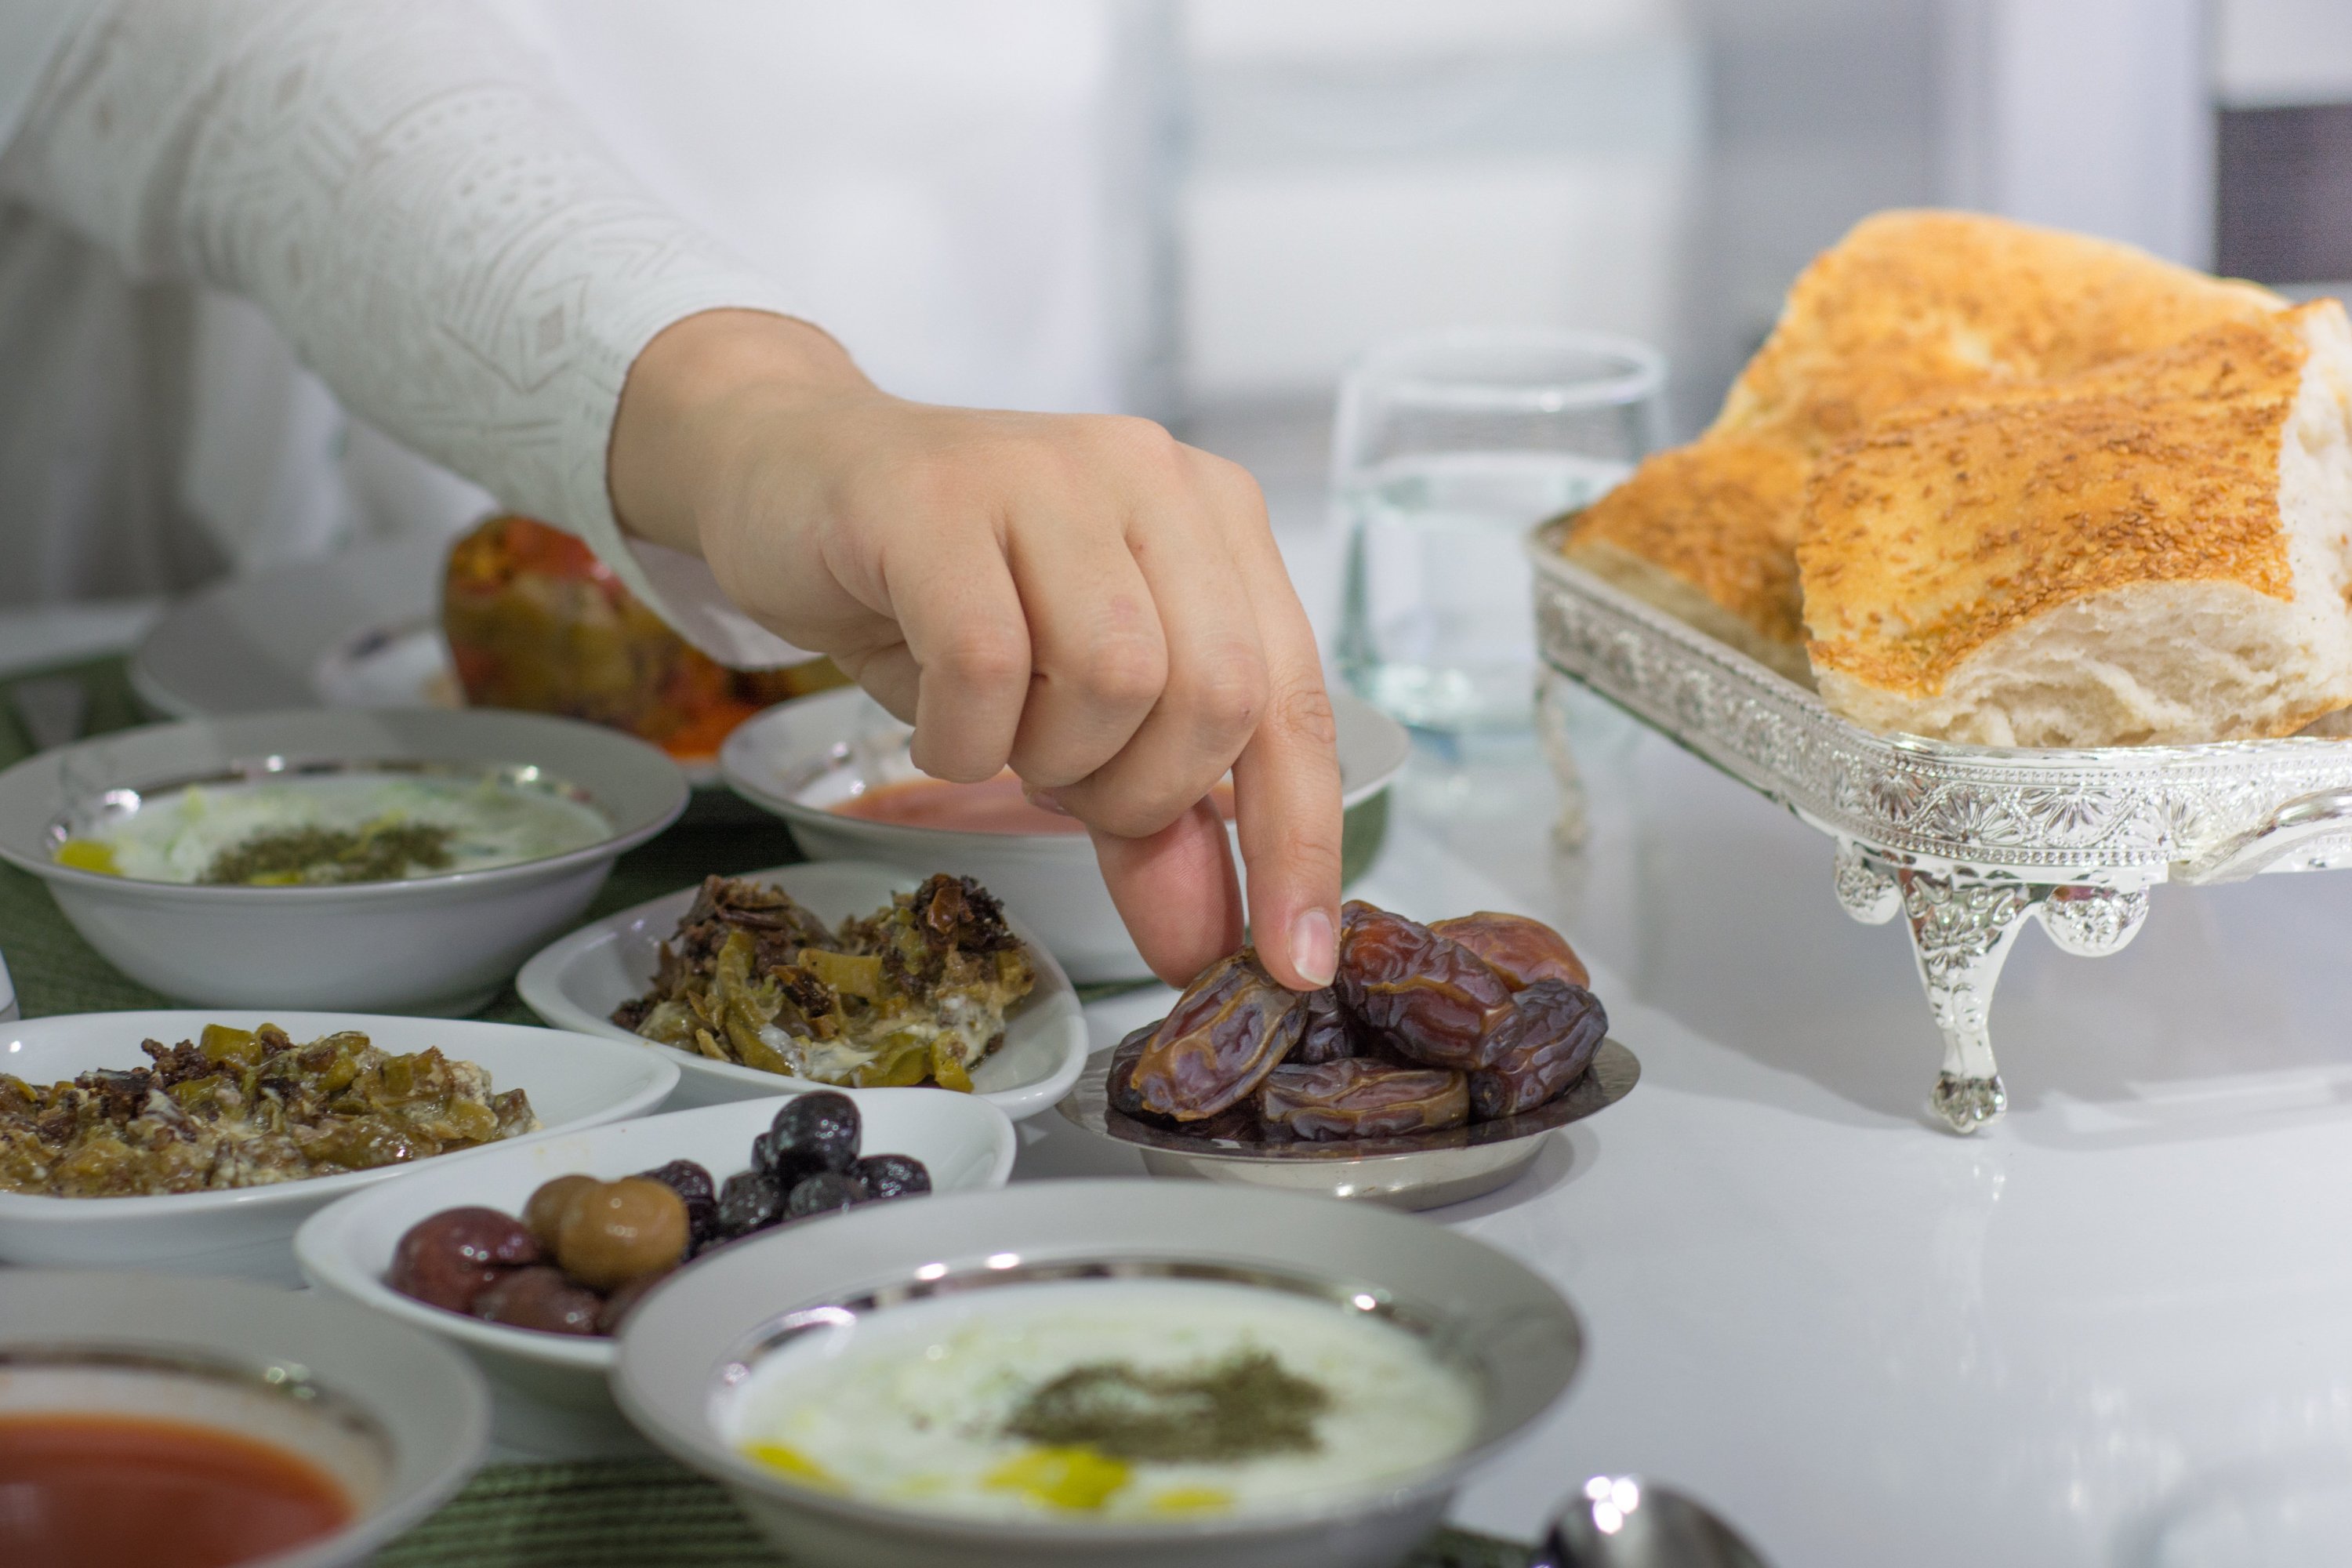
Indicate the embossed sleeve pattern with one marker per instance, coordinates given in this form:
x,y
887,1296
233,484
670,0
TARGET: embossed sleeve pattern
x,y
396,184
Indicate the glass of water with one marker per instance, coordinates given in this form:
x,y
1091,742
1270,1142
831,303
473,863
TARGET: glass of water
x,y
1449,447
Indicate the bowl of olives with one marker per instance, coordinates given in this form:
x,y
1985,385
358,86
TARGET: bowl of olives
x,y
529,1255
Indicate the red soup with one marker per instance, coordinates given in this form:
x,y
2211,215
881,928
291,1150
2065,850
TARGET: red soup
x,y
993,805
112,1491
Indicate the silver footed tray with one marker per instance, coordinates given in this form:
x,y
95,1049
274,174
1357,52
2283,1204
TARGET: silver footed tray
x,y
1415,1171
1964,842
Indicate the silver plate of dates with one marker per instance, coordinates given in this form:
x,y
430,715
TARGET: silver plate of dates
x,y
1417,1171
1965,842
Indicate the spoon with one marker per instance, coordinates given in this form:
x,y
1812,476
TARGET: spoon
x,y
1623,1522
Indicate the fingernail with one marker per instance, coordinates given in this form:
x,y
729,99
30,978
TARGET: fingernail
x,y
1314,949
1042,799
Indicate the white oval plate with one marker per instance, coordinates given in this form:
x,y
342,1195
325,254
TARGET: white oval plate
x,y
966,1144
572,1083
575,983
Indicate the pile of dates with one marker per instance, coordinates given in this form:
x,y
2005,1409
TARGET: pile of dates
x,y
1424,1028
583,1251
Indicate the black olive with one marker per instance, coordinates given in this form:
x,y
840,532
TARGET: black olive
x,y
827,1192
813,1132
687,1179
693,1183
751,1201
892,1175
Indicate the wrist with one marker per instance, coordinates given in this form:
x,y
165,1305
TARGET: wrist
x,y
680,405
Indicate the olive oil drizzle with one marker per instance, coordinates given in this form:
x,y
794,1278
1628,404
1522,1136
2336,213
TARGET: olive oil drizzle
x,y
1242,1407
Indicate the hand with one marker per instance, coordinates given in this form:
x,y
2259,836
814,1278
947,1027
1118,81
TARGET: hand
x,y
1080,599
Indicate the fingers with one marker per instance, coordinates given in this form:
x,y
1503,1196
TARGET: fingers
x,y
1177,892
1215,688
1286,787
1098,660
969,642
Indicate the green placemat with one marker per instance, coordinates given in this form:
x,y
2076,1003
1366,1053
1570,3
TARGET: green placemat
x,y
650,1513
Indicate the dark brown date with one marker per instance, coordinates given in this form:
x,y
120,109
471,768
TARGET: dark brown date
x,y
1234,1024
1358,1098
1326,1037
1419,994
540,1298
450,1258
1545,1046
1124,1097
1521,949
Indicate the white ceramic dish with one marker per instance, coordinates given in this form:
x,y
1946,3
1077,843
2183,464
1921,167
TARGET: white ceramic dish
x,y
357,629
964,1142
802,757
573,1083
693,1342
577,981
396,1419
439,944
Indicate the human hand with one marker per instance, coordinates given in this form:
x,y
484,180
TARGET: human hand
x,y
1080,599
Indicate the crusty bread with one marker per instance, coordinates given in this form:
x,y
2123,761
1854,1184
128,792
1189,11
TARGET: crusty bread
x,y
2157,550
1910,305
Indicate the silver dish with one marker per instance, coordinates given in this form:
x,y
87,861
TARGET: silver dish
x,y
1964,842
694,1340
1419,1171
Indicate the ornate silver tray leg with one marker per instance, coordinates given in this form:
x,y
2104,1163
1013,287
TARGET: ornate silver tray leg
x,y
1963,922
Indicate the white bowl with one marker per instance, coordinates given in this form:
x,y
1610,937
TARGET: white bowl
x,y
965,1144
691,1343
802,757
397,1420
578,980
572,1083
440,943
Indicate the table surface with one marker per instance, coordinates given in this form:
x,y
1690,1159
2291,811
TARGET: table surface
x,y
2127,1306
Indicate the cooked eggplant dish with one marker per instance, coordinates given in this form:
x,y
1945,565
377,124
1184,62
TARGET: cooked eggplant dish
x,y
1424,1028
916,993
246,1108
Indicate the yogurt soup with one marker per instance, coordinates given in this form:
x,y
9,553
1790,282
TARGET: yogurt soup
x,y
335,828
1107,1399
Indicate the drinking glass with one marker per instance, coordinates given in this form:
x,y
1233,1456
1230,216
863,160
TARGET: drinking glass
x,y
1448,447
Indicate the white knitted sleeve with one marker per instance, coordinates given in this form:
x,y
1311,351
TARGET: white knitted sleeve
x,y
396,184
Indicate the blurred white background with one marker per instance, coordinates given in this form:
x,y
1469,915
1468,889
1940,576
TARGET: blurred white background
x,y
1200,209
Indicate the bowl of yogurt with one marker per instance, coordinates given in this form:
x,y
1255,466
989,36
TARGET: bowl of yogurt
x,y
392,860
1099,1373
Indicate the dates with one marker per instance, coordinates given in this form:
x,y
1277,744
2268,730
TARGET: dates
x,y
453,1256
1354,1098
1326,1037
1234,1024
1418,993
1542,1048
1521,949
1125,1097
1425,1027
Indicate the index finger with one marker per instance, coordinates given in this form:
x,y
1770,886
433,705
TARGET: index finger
x,y
1287,790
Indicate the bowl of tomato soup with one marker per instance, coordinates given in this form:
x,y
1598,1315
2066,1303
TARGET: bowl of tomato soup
x,y
836,767
161,1422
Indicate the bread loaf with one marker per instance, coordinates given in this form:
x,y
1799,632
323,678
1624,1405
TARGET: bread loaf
x,y
1909,306
2156,550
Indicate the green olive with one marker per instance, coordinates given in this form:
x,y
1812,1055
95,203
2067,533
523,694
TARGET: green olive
x,y
545,1214
620,1231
